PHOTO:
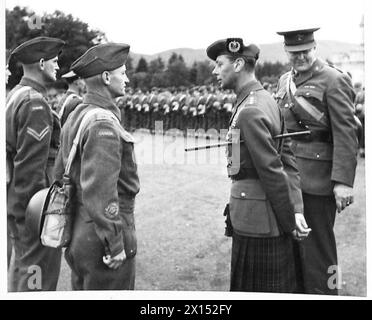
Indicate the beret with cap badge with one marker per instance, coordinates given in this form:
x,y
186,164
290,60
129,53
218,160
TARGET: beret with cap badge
x,y
232,46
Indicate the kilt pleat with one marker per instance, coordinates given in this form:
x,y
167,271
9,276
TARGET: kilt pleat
x,y
262,264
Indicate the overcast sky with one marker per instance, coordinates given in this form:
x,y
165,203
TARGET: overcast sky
x,y
158,25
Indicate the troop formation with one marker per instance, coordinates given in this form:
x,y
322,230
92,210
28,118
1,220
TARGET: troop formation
x,y
201,108
291,159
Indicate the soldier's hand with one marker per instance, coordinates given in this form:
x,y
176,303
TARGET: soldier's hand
x,y
343,195
116,261
302,230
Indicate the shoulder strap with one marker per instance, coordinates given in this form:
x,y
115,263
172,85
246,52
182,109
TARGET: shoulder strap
x,y
237,110
303,103
67,101
281,117
96,113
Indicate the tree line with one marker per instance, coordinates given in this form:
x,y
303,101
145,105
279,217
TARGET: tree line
x,y
22,24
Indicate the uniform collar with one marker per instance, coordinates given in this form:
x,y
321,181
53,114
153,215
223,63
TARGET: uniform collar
x,y
251,86
300,78
34,85
243,93
103,102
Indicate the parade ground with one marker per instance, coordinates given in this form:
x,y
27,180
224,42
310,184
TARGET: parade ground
x,y
180,223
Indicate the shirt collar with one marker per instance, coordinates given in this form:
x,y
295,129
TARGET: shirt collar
x,y
34,85
103,102
251,86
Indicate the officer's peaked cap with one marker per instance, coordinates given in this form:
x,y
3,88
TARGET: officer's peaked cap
x,y
298,40
38,48
100,58
232,47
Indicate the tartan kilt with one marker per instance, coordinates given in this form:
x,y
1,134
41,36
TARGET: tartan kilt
x,y
262,264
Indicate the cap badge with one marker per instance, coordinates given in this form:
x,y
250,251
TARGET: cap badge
x,y
300,37
234,46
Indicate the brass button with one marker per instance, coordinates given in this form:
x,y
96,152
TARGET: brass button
x,y
307,93
243,194
318,155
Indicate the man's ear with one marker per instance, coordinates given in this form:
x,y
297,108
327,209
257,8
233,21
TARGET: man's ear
x,y
106,78
239,64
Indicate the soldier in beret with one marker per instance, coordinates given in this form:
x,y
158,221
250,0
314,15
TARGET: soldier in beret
x,y
265,206
32,140
103,245
318,97
72,97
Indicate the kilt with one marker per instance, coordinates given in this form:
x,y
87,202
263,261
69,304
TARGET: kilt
x,y
262,264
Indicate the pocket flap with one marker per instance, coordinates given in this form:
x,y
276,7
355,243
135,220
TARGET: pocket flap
x,y
313,150
248,189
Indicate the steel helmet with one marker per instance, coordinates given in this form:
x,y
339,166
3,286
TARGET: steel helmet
x,y
34,211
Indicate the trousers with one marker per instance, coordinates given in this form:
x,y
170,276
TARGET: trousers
x,y
85,258
35,267
316,256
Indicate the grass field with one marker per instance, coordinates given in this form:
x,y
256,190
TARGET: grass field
x,y
180,227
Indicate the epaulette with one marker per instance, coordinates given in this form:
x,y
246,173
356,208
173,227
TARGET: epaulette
x,y
334,67
33,94
251,99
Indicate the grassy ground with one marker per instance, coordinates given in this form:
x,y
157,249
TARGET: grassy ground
x,y
180,226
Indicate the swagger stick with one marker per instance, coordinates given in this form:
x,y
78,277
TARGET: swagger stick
x,y
224,144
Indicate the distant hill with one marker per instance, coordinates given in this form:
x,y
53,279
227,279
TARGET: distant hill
x,y
269,52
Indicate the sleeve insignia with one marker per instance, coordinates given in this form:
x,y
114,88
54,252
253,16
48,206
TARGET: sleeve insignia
x,y
38,136
112,210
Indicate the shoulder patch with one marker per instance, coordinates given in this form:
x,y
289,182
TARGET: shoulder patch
x,y
36,108
105,133
112,210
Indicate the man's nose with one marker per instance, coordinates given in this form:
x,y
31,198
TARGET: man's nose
x,y
301,55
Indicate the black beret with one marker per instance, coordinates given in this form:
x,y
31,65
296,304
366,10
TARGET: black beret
x,y
100,58
38,48
232,46
298,40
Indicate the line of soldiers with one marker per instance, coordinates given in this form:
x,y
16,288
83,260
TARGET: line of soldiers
x,y
198,108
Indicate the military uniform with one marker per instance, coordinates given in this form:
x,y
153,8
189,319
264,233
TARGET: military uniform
x,y
70,100
105,175
265,193
68,103
32,140
326,157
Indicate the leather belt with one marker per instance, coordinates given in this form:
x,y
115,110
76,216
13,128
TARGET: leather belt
x,y
245,173
315,135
